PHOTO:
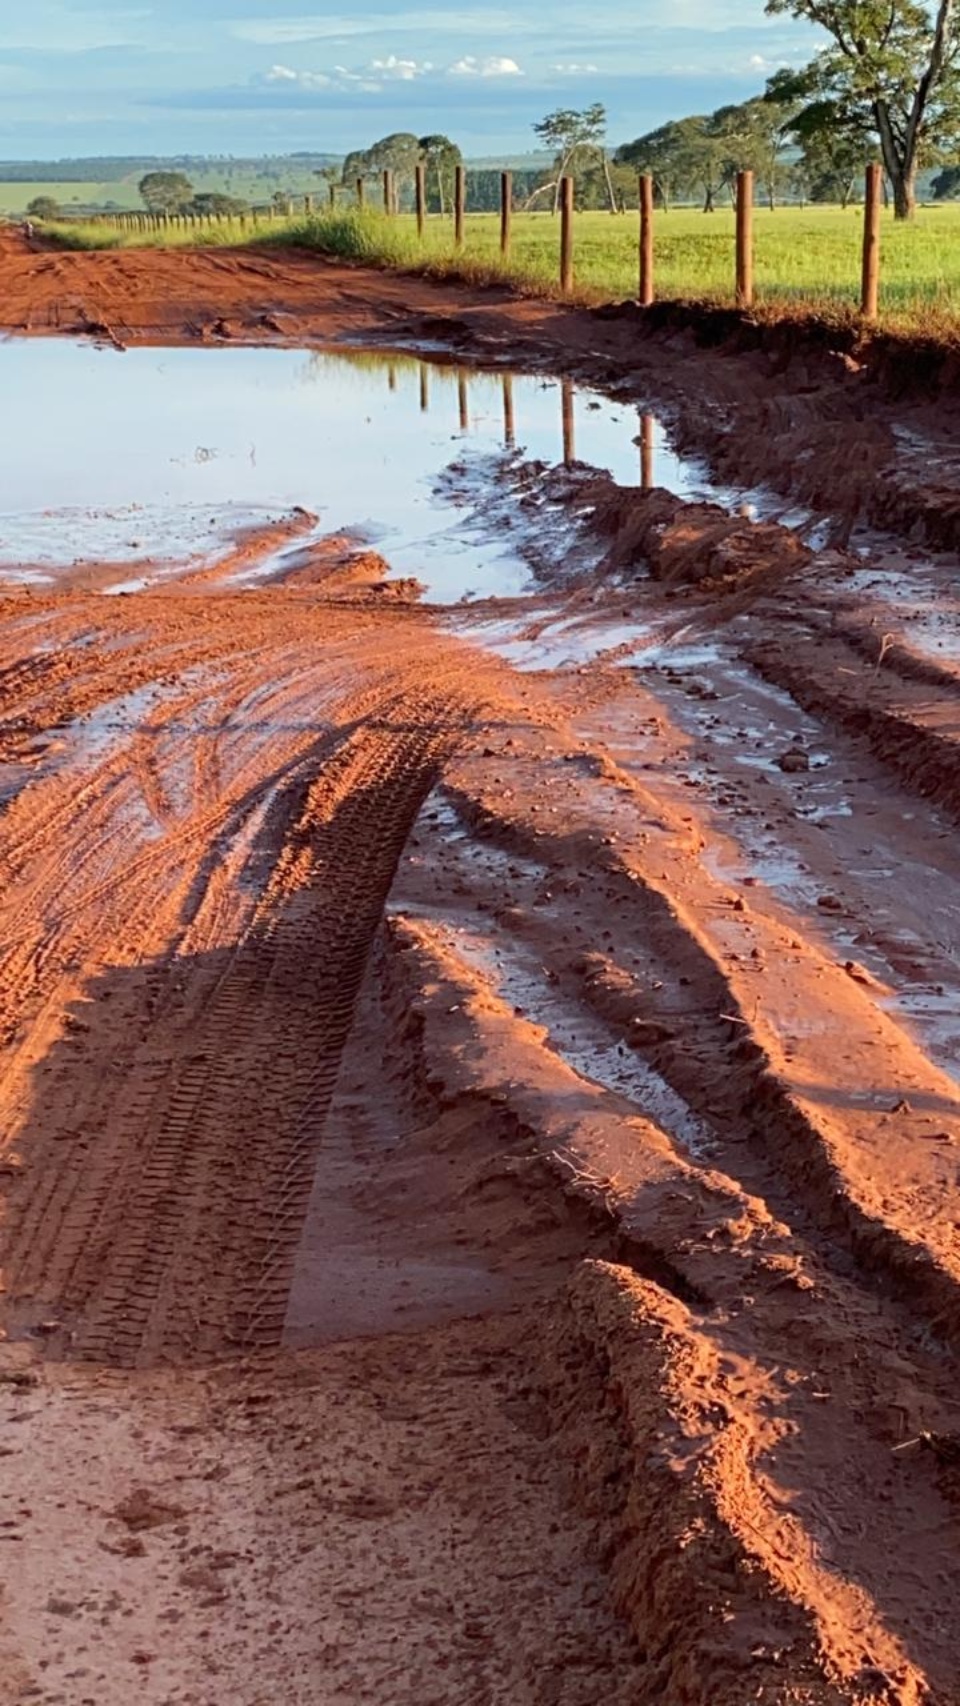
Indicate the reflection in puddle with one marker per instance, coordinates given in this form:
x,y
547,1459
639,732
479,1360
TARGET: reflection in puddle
x,y
154,456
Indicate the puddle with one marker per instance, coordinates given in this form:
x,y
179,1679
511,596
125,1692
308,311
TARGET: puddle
x,y
796,838
543,639
910,598
158,455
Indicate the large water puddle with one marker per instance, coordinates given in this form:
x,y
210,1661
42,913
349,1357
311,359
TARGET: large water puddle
x,y
159,457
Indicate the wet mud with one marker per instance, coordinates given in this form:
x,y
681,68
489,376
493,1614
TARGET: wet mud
x,y
479,980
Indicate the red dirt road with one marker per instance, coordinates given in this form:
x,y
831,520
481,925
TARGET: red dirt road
x,y
480,1136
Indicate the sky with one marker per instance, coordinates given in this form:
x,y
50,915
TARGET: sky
x,y
272,76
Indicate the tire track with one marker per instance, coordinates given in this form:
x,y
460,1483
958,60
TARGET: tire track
x,y
227,1153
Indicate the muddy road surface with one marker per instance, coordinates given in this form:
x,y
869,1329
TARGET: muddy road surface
x,y
479,993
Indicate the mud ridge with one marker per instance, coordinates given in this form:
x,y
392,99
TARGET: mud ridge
x,y
737,1075
652,1462
665,1430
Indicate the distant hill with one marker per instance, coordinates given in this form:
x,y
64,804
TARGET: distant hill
x,y
111,182
112,169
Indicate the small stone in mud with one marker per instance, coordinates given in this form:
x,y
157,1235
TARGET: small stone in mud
x,y
859,975
61,1607
794,760
141,1510
829,903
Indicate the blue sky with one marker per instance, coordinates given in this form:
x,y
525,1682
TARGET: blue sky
x,y
252,76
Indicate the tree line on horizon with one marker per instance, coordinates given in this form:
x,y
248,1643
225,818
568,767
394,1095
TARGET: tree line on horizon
x,y
886,83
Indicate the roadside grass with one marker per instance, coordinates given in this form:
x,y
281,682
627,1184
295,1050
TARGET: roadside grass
x,y
807,260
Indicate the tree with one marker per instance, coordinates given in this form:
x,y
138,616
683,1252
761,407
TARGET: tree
x,y
570,133
43,207
166,192
891,70
689,156
751,138
213,201
355,166
664,154
833,140
331,176
398,153
945,186
441,157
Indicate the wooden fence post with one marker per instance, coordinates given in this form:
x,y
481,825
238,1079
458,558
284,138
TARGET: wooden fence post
x,y
459,205
873,200
421,198
566,235
744,239
646,240
388,206
506,212
361,192
308,204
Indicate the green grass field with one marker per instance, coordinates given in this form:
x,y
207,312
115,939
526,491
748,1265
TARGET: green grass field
x,y
16,198
242,182
805,259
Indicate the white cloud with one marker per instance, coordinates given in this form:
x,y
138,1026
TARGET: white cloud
x,y
360,81
365,79
377,73
493,66
571,69
397,70
283,74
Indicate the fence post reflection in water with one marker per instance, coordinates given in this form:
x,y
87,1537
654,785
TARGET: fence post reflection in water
x,y
463,395
424,388
567,395
647,447
509,420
